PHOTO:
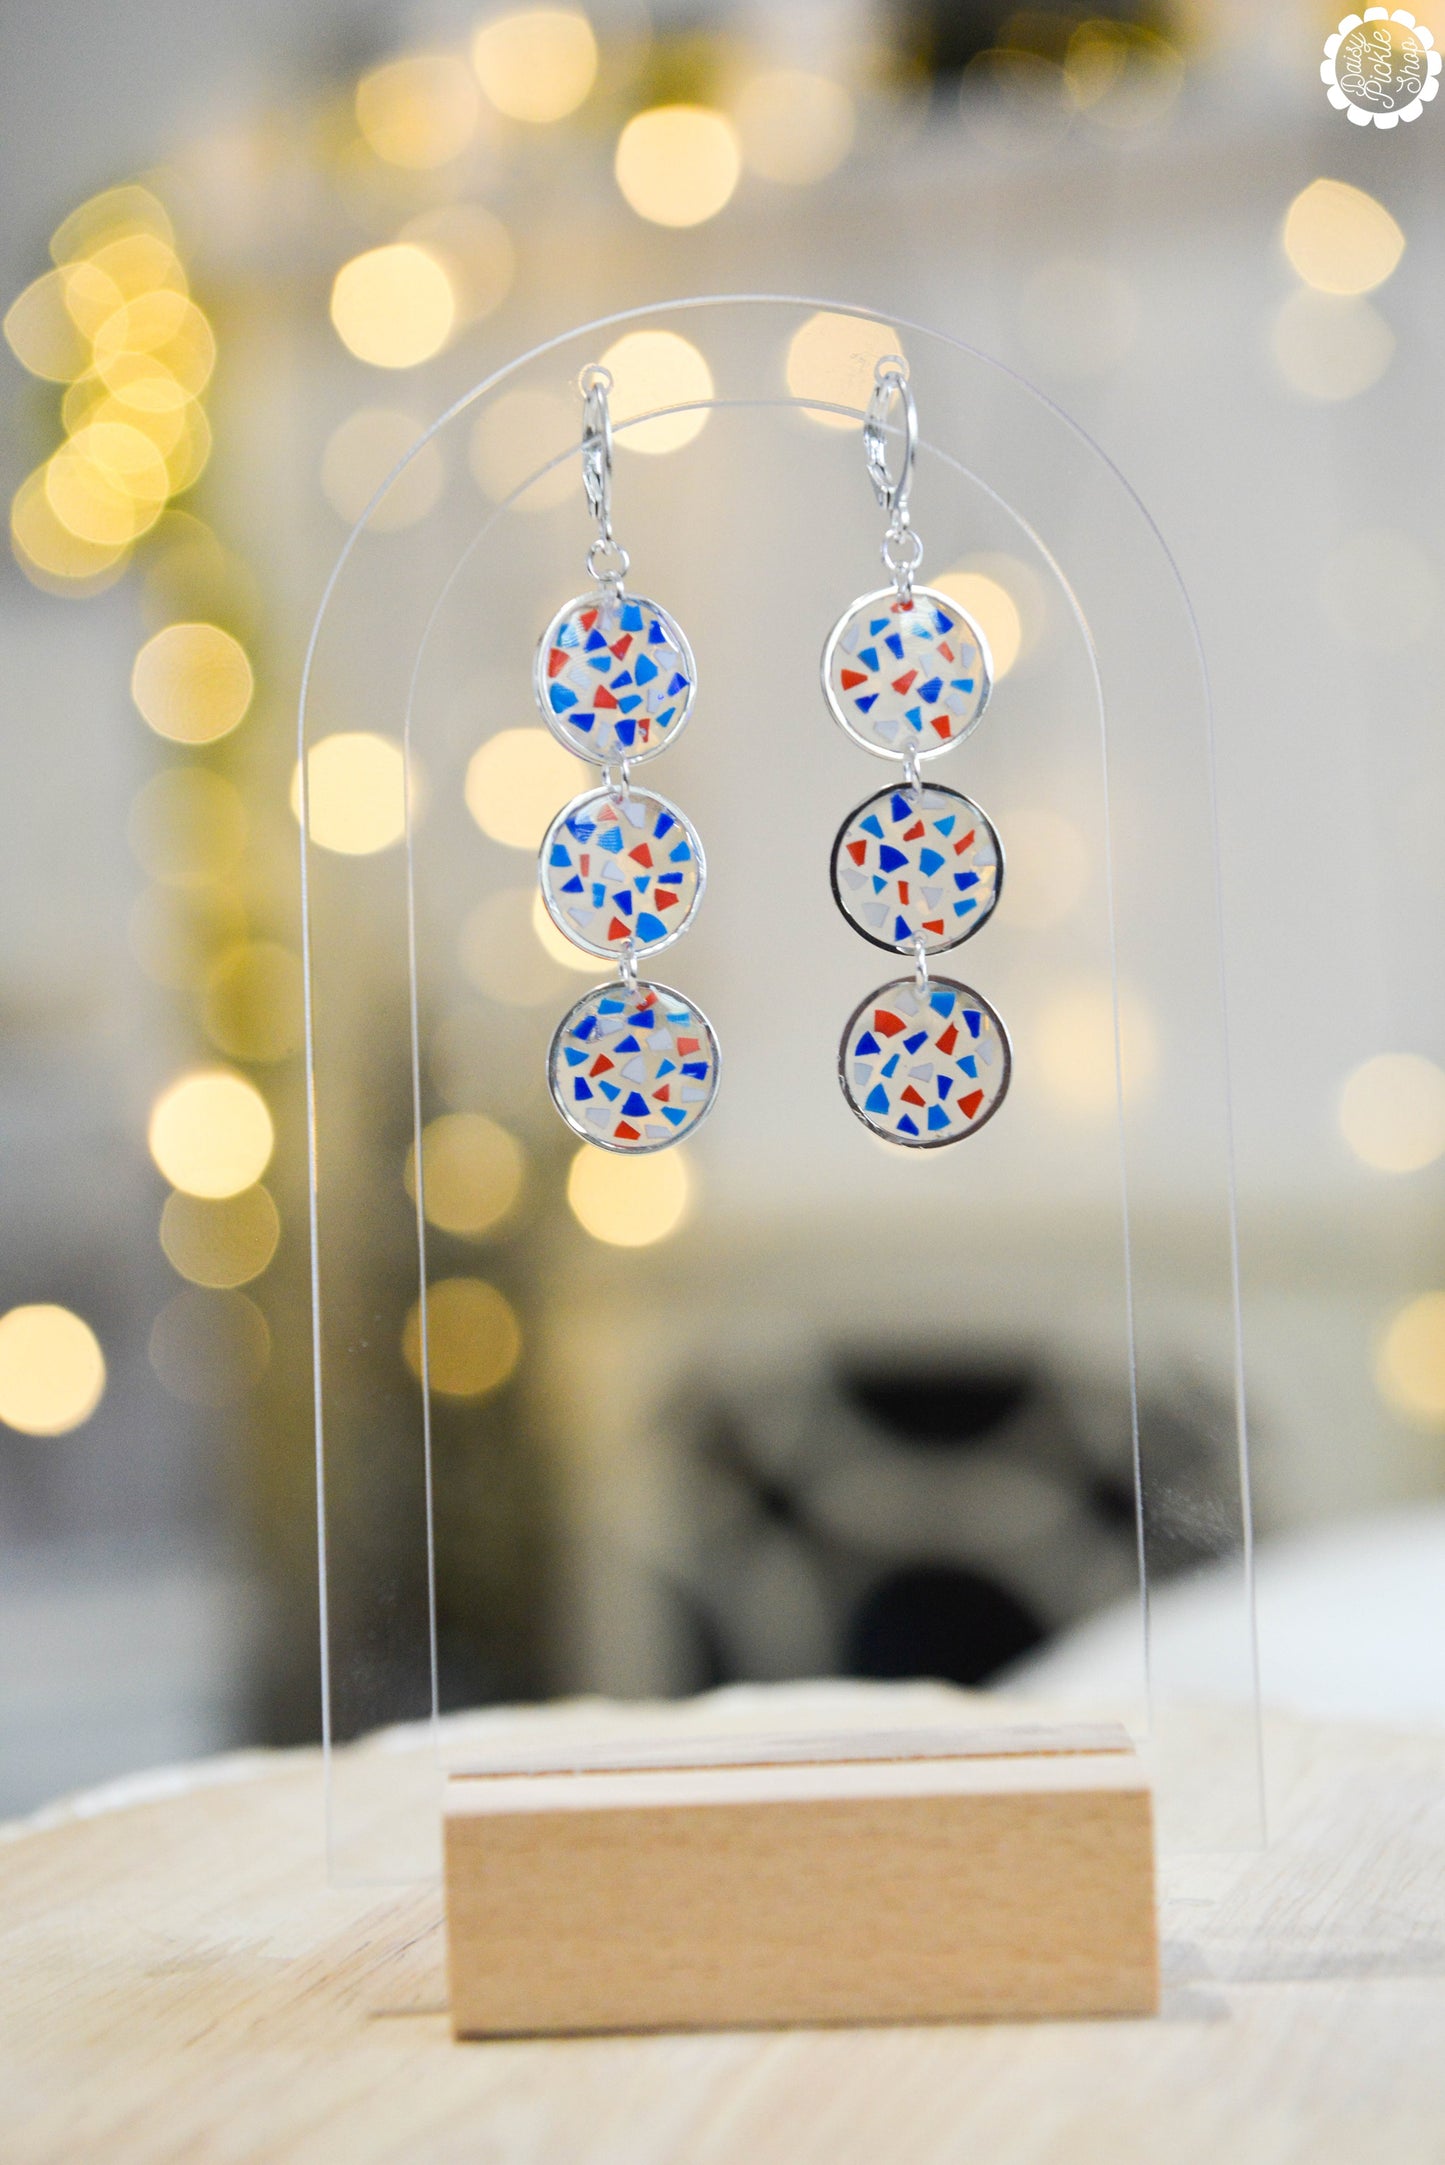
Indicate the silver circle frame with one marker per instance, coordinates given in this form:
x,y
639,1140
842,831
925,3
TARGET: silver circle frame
x,y
615,949
557,723
920,752
892,947
645,985
937,1142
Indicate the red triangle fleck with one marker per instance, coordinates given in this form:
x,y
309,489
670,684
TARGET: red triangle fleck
x,y
666,898
911,1097
621,646
945,650
587,619
901,684
934,924
663,1093
602,697
942,725
600,1065
969,1106
903,892
687,1044
556,661
950,1036
618,931
915,832
849,677
641,855
966,843
857,851
624,1132
889,1024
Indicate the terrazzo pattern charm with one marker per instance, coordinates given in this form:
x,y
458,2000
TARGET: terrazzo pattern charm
x,y
614,677
907,672
633,1070
924,1066
621,875
917,866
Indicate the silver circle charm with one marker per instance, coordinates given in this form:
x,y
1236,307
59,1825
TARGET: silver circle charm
x,y
917,867
623,874
907,673
614,677
924,1066
634,1070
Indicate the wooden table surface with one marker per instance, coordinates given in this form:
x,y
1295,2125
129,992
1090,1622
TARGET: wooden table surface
x,y
178,1983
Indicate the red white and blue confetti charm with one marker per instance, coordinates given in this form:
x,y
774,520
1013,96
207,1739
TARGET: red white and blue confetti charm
x,y
915,869
634,1066
924,1064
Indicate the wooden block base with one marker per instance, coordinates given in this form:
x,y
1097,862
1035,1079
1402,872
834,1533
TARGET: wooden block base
x,y
927,1876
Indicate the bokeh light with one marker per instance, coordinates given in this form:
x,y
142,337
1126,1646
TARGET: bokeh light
x,y
1410,1361
176,933
476,250
831,358
652,369
517,433
1329,346
223,1242
211,1134
557,945
48,552
629,1202
677,165
52,1371
515,784
499,950
1122,74
393,306
253,1006
1046,869
209,1348
42,333
991,605
1074,1047
1339,239
367,447
794,127
356,785
419,112
473,1173
536,64
1392,1112
192,683
108,483
474,1340
187,827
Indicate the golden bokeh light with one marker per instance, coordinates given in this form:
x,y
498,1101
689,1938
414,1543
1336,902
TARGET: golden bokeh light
x,y
52,1371
51,555
516,782
473,1172
1339,239
629,1202
42,333
356,785
794,127
557,945
211,1134
360,454
993,608
419,112
109,216
499,951
1410,1361
222,1243
253,1004
1074,1048
1330,346
1122,73
192,683
1046,871
393,306
474,1340
108,483
651,370
176,933
516,434
476,250
1392,1112
831,359
677,165
209,1347
187,827
536,64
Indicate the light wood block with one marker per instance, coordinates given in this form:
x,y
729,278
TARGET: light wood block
x,y
922,1877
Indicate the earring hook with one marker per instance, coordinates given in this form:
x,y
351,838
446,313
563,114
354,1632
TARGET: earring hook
x,y
890,382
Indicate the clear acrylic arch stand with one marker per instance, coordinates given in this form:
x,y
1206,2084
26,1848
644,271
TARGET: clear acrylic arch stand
x,y
1094,1218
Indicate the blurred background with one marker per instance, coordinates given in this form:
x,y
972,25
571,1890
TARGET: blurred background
x,y
765,1405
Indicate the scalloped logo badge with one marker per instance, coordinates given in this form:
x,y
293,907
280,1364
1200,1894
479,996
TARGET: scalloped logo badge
x,y
1380,68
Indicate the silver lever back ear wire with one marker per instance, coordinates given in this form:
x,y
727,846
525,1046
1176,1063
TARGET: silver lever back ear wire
x,y
607,560
902,549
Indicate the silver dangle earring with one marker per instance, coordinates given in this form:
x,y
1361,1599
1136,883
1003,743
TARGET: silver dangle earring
x,y
634,1065
917,868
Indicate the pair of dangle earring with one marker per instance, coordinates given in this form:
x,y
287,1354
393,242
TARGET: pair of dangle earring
x,y
917,868
634,1065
